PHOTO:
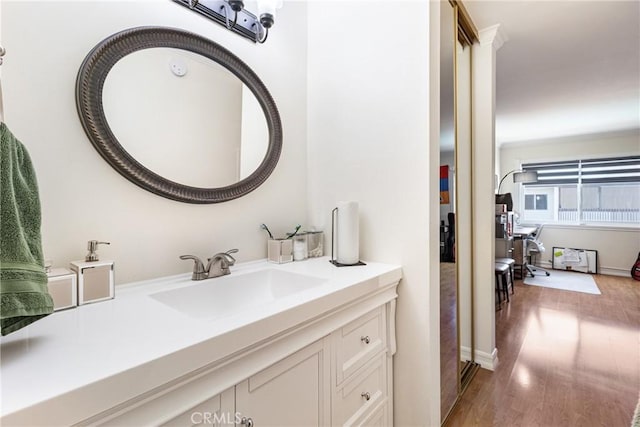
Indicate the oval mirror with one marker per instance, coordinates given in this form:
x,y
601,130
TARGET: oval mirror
x,y
211,131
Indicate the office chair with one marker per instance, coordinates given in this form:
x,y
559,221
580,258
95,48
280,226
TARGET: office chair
x,y
534,249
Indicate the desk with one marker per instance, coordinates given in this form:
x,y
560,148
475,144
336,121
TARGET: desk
x,y
523,232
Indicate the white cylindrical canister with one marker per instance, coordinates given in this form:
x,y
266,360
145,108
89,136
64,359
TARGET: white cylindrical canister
x,y
348,233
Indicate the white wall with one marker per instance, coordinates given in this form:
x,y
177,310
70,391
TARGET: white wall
x,y
370,140
83,197
617,247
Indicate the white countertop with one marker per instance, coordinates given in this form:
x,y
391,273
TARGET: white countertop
x,y
74,351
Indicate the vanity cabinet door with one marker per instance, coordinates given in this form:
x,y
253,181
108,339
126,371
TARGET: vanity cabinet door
x,y
169,408
215,412
293,392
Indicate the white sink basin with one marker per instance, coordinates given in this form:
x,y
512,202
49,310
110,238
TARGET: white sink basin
x,y
227,295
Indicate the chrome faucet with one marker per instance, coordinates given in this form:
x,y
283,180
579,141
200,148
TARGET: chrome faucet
x,y
199,273
218,265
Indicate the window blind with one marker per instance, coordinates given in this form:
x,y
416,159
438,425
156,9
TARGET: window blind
x,y
554,173
590,171
613,170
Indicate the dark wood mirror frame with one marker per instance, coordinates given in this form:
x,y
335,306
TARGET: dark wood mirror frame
x,y
89,86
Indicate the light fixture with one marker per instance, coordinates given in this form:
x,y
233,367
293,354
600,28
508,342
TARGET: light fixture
x,y
233,15
267,10
236,5
525,177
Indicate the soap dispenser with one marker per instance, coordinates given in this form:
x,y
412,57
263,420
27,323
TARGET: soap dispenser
x,y
95,278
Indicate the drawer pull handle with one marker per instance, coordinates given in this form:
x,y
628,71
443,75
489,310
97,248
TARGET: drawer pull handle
x,y
246,422
366,339
366,395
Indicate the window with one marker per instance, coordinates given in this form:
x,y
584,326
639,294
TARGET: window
x,y
539,203
535,202
585,191
529,202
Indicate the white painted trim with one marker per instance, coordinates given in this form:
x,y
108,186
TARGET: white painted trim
x,y
486,360
391,319
493,35
613,271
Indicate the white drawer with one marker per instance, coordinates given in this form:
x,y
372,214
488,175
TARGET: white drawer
x,y
362,396
377,418
359,341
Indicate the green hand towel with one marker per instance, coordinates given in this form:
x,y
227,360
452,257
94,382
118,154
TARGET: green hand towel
x,y
24,297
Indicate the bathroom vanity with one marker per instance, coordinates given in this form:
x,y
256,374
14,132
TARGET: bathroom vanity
x,y
293,344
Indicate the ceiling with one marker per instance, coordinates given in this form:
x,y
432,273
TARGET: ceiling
x,y
567,68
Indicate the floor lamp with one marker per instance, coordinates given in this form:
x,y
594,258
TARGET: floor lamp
x,y
525,177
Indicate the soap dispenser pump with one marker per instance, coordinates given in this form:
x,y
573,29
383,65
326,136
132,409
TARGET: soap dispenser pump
x,y
92,246
96,280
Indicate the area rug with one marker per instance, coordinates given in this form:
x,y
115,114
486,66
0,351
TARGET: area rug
x,y
565,280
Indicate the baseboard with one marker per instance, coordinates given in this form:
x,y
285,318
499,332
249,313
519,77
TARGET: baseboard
x,y
465,353
486,360
544,264
609,271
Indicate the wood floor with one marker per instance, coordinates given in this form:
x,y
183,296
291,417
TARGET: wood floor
x,y
565,359
449,365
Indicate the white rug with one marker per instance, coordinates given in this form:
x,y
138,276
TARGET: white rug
x,y
565,280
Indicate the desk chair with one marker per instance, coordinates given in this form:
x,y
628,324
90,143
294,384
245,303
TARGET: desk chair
x,y
535,248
